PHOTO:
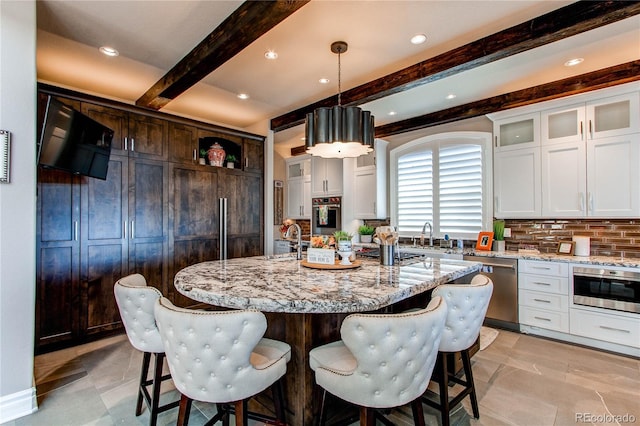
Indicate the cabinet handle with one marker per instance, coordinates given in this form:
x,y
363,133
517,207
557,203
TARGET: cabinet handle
x,y
542,300
375,208
540,283
133,145
195,155
582,206
246,162
124,229
75,230
125,143
604,327
581,130
133,229
542,319
590,196
544,268
496,203
496,138
590,130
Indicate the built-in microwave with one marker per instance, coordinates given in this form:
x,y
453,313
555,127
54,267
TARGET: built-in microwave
x,y
606,288
327,215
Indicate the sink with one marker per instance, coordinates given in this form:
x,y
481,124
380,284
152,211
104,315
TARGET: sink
x,y
436,252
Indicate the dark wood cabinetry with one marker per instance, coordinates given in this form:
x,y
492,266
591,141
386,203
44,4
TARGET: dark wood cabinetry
x,y
156,213
253,156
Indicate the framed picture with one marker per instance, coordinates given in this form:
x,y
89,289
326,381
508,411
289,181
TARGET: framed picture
x,y
485,239
566,247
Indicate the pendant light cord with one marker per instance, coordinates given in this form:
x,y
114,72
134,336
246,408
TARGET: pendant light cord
x,y
339,81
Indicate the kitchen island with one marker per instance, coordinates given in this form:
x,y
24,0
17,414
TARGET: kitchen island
x,y
305,306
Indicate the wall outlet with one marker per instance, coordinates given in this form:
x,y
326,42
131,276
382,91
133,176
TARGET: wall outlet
x,y
507,232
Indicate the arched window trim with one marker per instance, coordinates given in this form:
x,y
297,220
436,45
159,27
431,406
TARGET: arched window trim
x,y
437,141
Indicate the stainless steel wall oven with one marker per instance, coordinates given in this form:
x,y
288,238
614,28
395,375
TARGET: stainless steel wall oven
x,y
606,288
327,215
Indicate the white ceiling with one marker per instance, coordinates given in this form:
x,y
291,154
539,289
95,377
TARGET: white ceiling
x,y
152,36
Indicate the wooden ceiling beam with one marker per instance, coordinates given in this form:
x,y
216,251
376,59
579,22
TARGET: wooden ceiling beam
x,y
551,27
600,79
245,25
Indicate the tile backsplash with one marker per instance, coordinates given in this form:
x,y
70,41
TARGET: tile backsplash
x,y
609,237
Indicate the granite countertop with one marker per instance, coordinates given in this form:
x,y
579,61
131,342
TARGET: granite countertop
x,y
626,262
282,284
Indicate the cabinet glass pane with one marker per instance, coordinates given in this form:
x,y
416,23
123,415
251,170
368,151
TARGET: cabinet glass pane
x,y
516,133
296,170
612,116
367,160
563,124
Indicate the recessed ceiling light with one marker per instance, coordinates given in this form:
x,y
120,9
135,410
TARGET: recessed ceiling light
x,y
270,54
573,62
324,80
109,51
392,113
418,39
243,96
451,96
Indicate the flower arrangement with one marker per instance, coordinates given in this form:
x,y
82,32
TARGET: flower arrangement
x,y
322,241
285,226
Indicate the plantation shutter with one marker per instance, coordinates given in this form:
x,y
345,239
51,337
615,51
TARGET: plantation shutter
x,y
415,191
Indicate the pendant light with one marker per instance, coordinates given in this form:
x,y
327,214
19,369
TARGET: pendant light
x,y
339,132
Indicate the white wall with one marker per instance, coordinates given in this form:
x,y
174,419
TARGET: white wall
x,y
18,208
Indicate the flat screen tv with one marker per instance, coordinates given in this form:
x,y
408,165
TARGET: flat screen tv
x,y
71,141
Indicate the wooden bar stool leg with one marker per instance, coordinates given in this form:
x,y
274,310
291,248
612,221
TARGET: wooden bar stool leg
x,y
278,400
146,359
322,420
184,410
157,383
241,413
444,389
418,412
466,362
367,416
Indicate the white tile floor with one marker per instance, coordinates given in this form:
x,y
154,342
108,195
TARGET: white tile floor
x,y
520,379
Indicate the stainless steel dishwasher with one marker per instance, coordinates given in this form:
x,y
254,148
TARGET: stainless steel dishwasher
x,y
503,307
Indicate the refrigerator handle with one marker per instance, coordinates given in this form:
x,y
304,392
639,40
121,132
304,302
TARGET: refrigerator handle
x,y
222,246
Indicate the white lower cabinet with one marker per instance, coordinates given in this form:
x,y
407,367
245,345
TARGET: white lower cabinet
x,y
608,327
543,294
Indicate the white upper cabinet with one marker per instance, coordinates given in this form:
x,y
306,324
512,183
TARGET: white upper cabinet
x,y
516,182
299,188
522,131
326,176
370,183
588,157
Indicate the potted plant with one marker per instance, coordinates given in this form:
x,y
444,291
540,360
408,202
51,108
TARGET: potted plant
x,y
366,233
498,235
343,240
203,155
231,161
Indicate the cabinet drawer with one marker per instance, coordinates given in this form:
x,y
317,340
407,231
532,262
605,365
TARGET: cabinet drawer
x,y
544,268
548,301
607,327
558,321
547,284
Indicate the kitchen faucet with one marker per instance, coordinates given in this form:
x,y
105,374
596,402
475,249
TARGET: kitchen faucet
x,y
430,234
298,245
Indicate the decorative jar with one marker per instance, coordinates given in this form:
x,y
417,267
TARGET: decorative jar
x,y
216,155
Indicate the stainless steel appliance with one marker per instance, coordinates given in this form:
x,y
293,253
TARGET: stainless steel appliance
x,y
326,215
503,307
607,288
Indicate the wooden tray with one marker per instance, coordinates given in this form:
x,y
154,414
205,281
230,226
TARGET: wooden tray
x,y
354,264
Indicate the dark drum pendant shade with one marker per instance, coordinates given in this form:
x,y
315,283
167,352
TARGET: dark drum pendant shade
x,y
339,132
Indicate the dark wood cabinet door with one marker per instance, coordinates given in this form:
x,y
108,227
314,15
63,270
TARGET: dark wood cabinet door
x,y
193,220
253,153
244,201
148,137
183,143
103,253
148,221
114,119
57,258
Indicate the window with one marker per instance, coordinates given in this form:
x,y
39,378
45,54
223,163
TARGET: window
x,y
445,180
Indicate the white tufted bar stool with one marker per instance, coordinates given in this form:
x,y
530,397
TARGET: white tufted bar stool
x,y
383,361
136,301
467,306
220,357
